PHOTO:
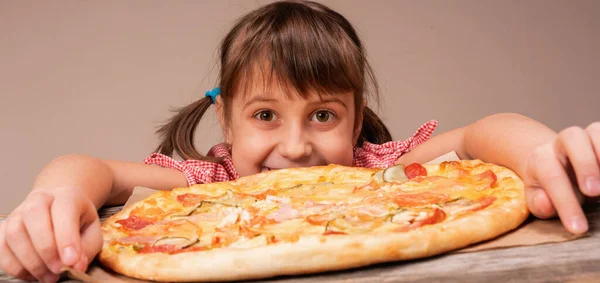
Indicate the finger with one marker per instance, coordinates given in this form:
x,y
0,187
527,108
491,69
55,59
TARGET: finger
x,y
30,278
593,131
68,217
537,200
539,203
556,184
19,243
91,239
82,264
575,144
38,224
8,261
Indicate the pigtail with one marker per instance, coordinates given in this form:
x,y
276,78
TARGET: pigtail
x,y
178,134
373,129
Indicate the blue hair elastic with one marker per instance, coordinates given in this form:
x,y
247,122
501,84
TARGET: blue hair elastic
x,y
213,94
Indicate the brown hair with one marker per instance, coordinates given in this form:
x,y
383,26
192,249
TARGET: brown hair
x,y
306,46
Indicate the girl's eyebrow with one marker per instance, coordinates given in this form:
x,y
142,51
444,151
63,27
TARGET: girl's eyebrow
x,y
259,98
330,99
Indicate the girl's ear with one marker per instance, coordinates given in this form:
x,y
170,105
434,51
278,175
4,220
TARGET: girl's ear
x,y
220,108
359,122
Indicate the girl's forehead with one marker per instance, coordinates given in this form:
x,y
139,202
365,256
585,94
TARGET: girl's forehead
x,y
270,87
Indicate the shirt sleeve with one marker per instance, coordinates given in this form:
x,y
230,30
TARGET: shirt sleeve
x,y
385,155
195,171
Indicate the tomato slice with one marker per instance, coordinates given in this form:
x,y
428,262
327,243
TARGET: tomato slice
x,y
489,177
135,223
436,216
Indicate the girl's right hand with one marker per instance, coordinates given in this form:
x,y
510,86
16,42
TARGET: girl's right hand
x,y
50,230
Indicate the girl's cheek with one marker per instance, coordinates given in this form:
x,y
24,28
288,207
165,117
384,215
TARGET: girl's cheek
x,y
335,148
255,140
250,148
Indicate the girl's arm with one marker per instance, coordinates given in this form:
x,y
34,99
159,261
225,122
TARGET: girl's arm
x,y
57,224
544,159
505,139
105,182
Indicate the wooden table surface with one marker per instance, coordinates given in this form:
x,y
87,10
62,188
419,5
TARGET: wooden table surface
x,y
574,261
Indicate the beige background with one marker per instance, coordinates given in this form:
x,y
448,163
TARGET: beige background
x,y
97,77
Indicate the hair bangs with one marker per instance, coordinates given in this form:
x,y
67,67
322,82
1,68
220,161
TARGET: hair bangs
x,y
302,50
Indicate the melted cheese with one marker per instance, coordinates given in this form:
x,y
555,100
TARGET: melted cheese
x,y
233,214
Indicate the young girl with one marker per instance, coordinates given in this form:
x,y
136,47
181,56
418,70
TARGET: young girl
x,y
293,84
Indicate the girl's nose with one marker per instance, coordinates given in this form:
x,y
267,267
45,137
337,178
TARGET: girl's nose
x,y
294,144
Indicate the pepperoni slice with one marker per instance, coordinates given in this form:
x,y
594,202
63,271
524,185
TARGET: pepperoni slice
x,y
135,223
414,170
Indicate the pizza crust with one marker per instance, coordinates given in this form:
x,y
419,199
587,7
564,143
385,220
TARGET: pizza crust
x,y
334,252
310,255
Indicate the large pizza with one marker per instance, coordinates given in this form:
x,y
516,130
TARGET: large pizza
x,y
315,219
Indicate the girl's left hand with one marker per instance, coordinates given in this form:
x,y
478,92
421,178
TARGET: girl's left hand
x,y
562,173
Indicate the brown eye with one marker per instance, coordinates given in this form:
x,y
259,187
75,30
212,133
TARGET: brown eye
x,y
265,115
322,116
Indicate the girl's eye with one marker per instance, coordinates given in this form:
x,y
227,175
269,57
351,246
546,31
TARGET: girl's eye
x,y
265,115
322,116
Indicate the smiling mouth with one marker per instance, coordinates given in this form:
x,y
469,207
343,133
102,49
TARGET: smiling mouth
x,y
266,169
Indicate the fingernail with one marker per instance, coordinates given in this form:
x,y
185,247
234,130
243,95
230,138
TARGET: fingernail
x,y
579,224
82,264
55,266
592,186
70,255
50,278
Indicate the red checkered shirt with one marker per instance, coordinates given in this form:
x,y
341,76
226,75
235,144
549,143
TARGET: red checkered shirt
x,y
369,156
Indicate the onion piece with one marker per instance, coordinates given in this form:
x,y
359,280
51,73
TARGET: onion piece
x,y
203,206
179,242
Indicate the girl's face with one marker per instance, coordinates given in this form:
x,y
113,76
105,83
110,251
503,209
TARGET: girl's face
x,y
268,130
